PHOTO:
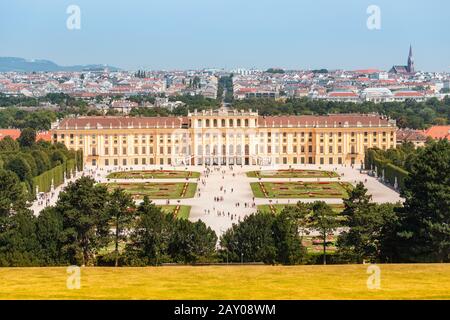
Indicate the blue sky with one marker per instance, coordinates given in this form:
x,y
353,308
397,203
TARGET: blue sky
x,y
182,34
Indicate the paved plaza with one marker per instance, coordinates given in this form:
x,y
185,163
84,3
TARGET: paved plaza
x,y
232,187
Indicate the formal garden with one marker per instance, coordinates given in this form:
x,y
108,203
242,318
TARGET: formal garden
x,y
154,174
167,190
292,173
301,189
180,211
277,208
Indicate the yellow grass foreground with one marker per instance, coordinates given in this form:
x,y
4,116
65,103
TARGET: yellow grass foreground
x,y
420,281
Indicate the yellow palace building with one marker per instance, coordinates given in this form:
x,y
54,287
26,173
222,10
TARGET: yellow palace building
x,y
222,137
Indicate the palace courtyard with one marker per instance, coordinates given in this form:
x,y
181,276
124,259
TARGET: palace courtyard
x,y
232,186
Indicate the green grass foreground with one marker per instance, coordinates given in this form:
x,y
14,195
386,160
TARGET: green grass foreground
x,y
419,281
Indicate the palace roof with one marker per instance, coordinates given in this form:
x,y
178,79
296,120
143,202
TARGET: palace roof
x,y
332,120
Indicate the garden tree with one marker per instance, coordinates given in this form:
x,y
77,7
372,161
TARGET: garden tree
x,y
301,211
252,240
149,238
358,199
40,120
27,137
121,211
424,221
50,234
191,242
31,162
20,167
275,70
12,196
369,234
287,238
8,144
46,145
323,220
82,205
149,112
408,114
42,161
58,157
19,245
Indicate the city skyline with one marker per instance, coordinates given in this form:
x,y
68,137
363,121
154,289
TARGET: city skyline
x,y
178,35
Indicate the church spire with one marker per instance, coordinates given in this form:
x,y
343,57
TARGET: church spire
x,y
410,60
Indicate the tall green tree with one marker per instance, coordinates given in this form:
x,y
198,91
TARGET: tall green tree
x,y
358,199
121,210
8,144
50,234
150,236
424,229
42,161
192,242
27,137
287,238
13,197
19,245
369,234
325,221
252,240
82,205
20,167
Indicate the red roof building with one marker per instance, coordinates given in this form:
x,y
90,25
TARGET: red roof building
x,y
438,132
15,133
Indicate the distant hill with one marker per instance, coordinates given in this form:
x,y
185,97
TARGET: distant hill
x,y
8,64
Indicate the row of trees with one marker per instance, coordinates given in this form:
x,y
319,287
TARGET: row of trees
x,y
279,238
400,156
225,89
91,226
27,158
418,230
409,114
40,120
87,221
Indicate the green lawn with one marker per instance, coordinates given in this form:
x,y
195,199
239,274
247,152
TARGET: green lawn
x,y
157,190
398,281
279,207
292,173
153,174
300,189
183,213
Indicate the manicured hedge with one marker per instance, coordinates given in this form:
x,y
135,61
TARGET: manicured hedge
x,y
391,171
44,181
79,160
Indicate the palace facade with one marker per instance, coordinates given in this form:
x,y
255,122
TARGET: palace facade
x,y
223,137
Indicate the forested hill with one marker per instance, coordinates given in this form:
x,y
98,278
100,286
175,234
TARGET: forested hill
x,y
13,64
